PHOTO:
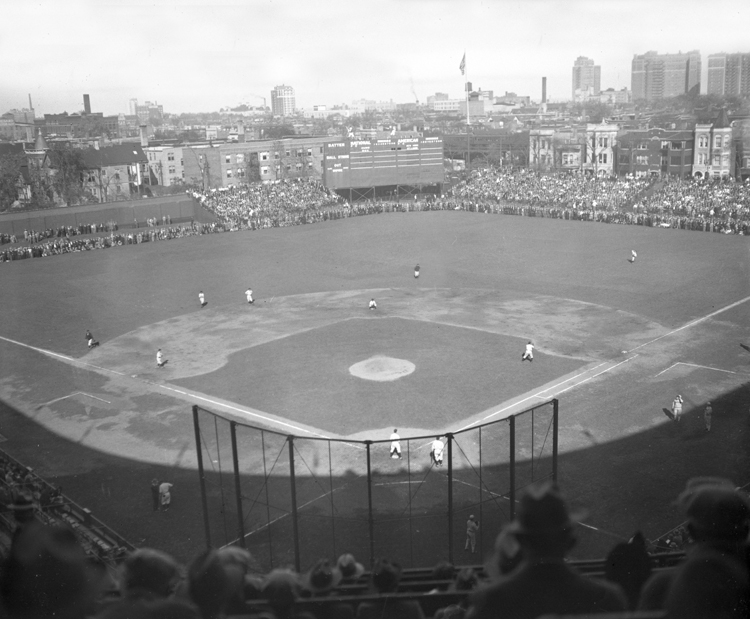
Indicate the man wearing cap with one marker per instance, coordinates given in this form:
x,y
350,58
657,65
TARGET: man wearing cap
x,y
714,580
543,583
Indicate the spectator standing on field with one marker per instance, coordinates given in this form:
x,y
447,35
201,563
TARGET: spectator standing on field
x,y
707,414
155,494
165,496
472,526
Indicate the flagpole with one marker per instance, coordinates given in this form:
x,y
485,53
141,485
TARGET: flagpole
x,y
468,117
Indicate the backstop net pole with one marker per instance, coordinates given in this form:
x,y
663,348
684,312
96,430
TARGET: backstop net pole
x,y
555,411
237,486
370,522
450,496
512,471
201,475
295,524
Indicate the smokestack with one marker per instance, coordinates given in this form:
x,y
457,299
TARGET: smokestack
x,y
31,107
86,104
144,138
544,90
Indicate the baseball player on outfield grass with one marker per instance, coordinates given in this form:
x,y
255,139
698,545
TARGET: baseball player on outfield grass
x,y
529,353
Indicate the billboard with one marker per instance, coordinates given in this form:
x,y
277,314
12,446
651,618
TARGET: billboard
x,y
390,161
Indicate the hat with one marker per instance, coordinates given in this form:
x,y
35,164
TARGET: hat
x,y
281,588
385,576
715,508
322,577
349,566
542,511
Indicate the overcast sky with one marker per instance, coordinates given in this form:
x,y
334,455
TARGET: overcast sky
x,y
195,57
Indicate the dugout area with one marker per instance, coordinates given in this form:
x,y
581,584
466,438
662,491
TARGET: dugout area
x,y
291,500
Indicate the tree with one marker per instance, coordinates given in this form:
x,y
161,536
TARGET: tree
x,y
67,180
10,173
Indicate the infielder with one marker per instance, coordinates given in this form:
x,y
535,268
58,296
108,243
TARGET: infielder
x,y
529,353
416,272
372,304
633,256
202,298
249,295
160,361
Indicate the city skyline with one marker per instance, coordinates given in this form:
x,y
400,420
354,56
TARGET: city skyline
x,y
199,58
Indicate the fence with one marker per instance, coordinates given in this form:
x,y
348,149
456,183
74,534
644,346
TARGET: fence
x,y
292,500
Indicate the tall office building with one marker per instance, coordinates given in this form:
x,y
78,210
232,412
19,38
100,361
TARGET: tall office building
x,y
587,78
282,101
656,76
133,106
729,74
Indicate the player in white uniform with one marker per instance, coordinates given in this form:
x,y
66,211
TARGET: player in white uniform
x,y
416,272
395,445
159,359
677,408
202,298
633,256
529,353
436,452
249,295
372,305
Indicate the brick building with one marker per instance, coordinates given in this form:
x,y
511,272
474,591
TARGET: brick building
x,y
654,152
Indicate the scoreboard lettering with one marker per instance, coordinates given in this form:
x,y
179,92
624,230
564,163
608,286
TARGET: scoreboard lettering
x,y
382,162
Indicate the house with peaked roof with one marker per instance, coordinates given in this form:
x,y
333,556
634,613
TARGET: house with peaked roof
x,y
23,182
116,172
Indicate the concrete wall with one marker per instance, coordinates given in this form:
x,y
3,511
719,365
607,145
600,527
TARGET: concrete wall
x,y
180,208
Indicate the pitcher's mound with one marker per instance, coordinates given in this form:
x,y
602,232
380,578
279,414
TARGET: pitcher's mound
x,y
382,368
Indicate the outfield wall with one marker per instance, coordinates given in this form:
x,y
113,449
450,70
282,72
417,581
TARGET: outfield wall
x,y
179,208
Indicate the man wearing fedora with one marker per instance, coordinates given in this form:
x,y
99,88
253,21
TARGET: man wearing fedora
x,y
543,583
714,580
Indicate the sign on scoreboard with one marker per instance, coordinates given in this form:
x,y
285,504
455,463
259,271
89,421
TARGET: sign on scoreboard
x,y
351,164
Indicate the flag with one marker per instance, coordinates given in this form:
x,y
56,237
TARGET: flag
x,y
462,66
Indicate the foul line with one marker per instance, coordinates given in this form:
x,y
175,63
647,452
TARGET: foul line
x,y
694,365
694,322
74,361
537,394
72,395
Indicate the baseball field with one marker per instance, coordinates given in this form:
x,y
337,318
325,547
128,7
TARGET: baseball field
x,y
614,342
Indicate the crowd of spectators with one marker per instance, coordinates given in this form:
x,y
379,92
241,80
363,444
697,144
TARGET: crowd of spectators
x,y
34,236
47,574
708,206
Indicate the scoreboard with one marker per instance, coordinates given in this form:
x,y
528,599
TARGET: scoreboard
x,y
351,164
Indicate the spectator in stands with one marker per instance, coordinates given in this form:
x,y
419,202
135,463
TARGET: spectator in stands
x,y
23,513
384,579
148,581
443,571
165,494
320,582
209,585
508,554
629,565
543,583
714,580
351,570
282,590
47,575
238,563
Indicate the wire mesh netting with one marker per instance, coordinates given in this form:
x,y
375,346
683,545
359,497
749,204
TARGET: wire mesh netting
x,y
292,500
